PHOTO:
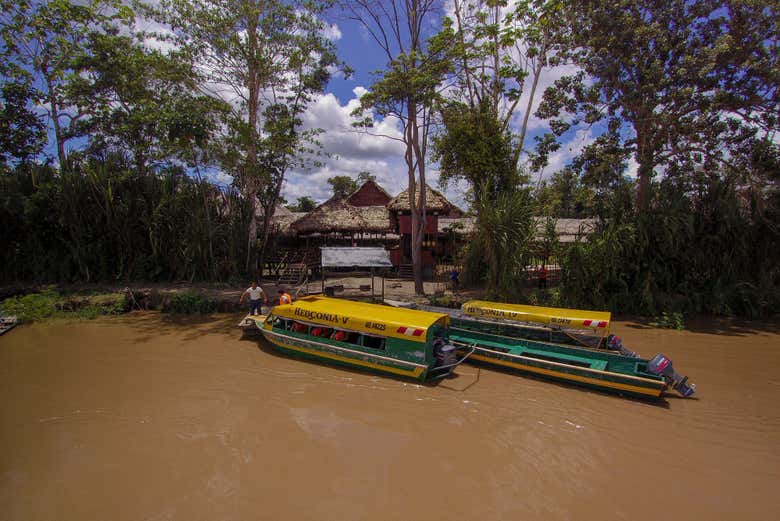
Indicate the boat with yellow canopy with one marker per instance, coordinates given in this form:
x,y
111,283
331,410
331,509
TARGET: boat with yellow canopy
x,y
402,342
547,324
568,345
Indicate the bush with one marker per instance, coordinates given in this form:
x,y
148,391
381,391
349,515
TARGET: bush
x,y
51,304
32,307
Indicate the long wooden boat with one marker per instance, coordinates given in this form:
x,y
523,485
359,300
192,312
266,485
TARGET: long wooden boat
x,y
401,342
564,344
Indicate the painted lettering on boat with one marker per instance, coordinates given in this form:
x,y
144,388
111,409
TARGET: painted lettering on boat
x,y
488,312
557,320
375,325
318,315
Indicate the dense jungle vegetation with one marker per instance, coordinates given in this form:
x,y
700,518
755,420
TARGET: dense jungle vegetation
x,y
108,143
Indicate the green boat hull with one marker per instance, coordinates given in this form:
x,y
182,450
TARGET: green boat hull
x,y
595,369
333,354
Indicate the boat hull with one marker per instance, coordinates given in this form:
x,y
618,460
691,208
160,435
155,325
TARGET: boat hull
x,y
583,377
345,357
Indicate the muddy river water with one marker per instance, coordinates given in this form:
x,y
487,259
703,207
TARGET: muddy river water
x,y
145,417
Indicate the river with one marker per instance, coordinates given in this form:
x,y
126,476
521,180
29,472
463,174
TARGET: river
x,y
148,417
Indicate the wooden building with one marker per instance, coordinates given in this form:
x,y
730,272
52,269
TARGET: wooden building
x,y
371,217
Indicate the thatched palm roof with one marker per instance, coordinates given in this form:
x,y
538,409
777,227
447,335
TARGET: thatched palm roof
x,y
281,220
434,202
336,215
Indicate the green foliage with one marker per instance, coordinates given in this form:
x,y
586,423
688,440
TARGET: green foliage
x,y
100,221
41,43
32,307
475,147
699,250
49,303
305,204
677,79
189,302
142,102
342,185
499,251
22,132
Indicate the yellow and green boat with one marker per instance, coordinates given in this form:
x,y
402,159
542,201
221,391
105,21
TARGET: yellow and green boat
x,y
568,345
395,341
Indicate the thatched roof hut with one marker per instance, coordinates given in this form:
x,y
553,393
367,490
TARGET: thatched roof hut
x,y
434,202
337,215
281,220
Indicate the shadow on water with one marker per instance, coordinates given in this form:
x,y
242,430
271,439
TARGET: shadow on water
x,y
152,324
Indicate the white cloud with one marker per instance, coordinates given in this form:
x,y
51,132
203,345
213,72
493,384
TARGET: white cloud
x,y
633,167
353,150
332,32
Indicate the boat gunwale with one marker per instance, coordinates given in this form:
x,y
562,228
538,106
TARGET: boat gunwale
x,y
561,364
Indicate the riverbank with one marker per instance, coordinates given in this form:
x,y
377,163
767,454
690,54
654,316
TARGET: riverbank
x,y
33,303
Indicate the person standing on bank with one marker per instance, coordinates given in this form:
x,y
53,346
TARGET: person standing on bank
x,y
256,298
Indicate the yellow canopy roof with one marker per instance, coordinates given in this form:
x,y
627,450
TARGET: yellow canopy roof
x,y
560,317
376,319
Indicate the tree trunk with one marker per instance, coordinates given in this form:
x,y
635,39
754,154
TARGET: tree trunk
x,y
644,156
415,164
251,178
55,119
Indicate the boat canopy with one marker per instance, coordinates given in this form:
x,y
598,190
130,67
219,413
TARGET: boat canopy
x,y
375,319
557,317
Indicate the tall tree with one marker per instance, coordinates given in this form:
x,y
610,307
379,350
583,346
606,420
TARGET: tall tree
x,y
143,102
681,81
342,185
41,41
500,50
405,90
268,58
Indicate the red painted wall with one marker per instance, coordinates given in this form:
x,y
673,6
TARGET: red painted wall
x,y
369,195
431,224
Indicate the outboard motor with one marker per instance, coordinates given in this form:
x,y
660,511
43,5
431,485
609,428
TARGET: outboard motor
x,y
615,344
662,366
446,354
